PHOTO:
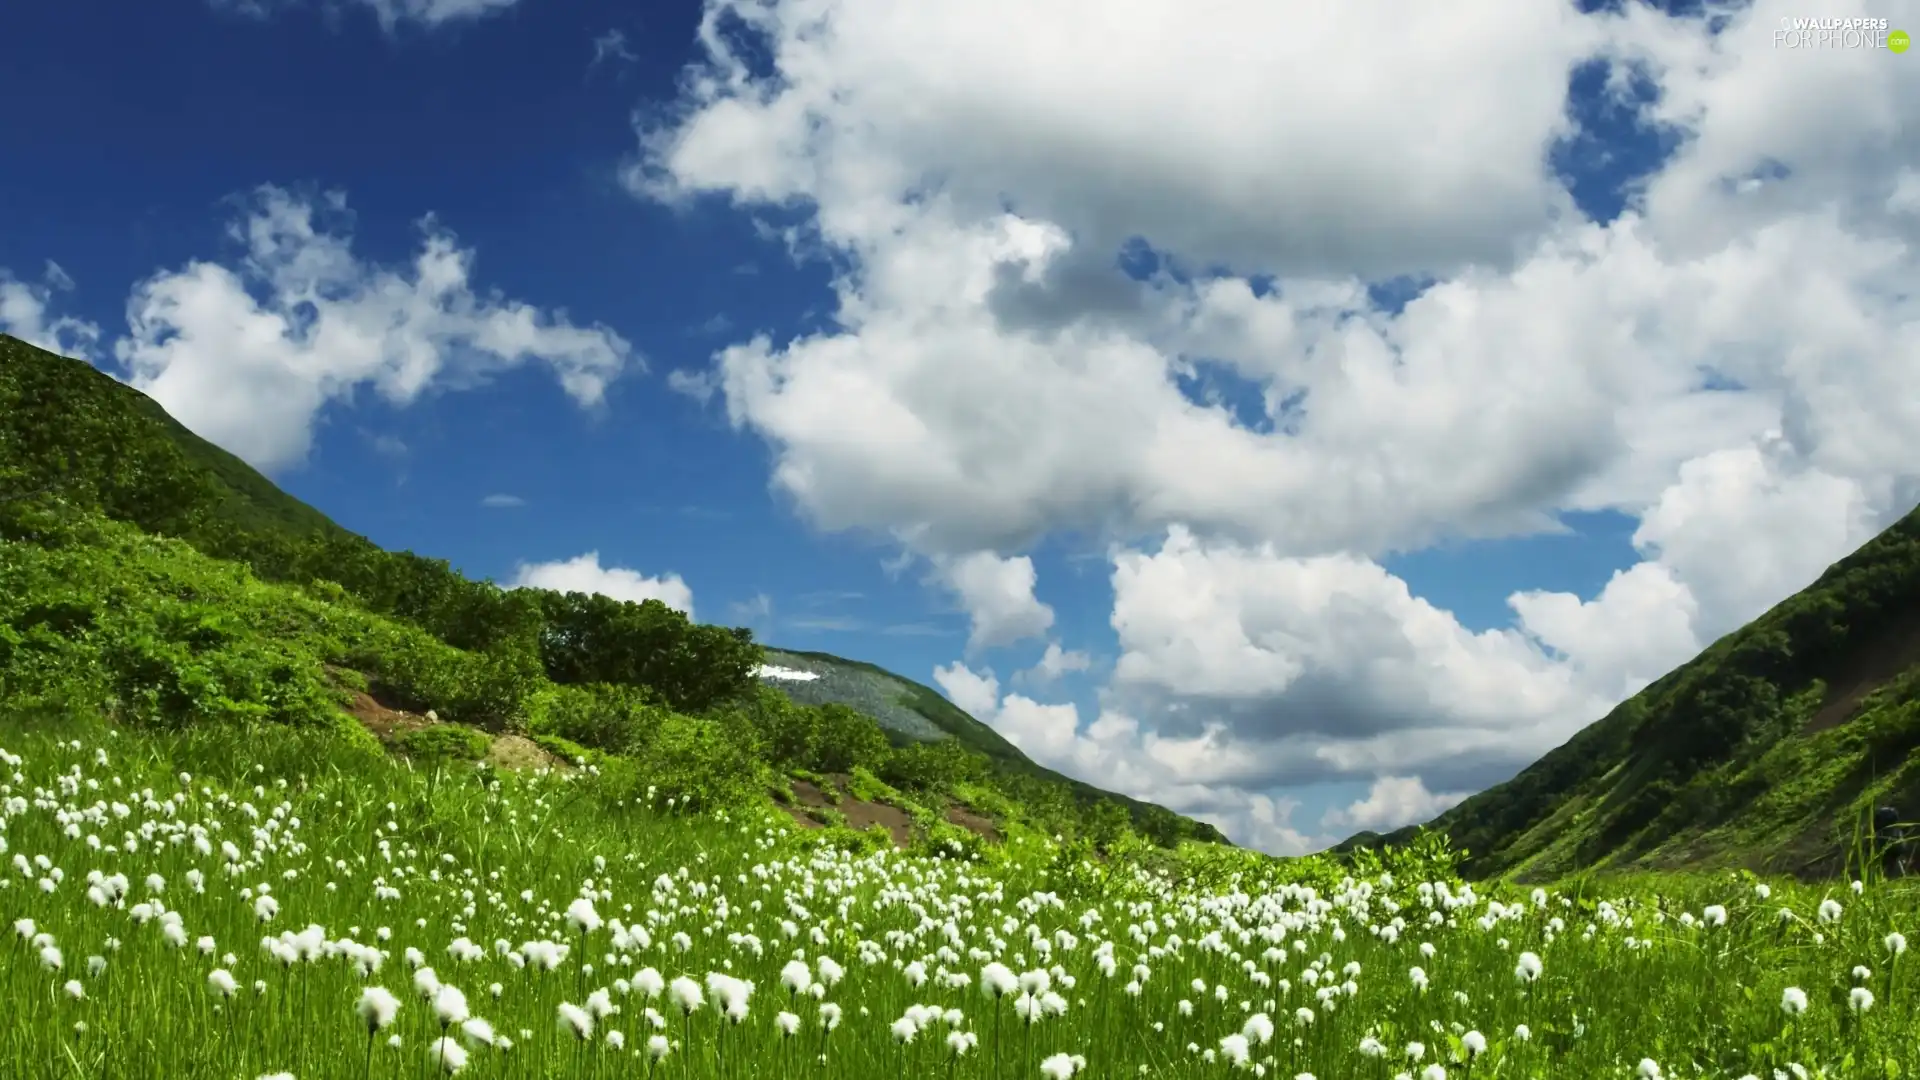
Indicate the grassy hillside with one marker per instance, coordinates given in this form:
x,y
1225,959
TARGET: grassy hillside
x,y
149,577
915,711
1767,751
910,708
73,429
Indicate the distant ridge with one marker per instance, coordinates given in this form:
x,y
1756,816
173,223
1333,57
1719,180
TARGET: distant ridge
x,y
1768,751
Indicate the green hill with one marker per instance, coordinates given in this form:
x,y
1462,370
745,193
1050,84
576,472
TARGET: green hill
x,y
151,577
1768,751
917,712
908,708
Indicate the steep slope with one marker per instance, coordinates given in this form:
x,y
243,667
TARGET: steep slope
x,y
72,436
73,429
917,712
901,705
1767,751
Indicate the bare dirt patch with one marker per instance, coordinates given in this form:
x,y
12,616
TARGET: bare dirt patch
x,y
1891,652
802,818
809,797
807,793
861,814
974,822
386,722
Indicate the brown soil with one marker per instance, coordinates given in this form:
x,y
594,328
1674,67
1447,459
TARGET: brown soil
x,y
801,818
807,793
974,822
861,814
1893,651
386,722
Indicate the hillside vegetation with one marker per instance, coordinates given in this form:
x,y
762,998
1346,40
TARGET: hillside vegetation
x,y
1767,751
151,579
911,710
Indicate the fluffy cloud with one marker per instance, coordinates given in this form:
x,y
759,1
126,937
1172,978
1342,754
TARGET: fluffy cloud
x,y
1729,361
390,13
998,596
1235,136
1391,802
1056,662
1123,756
24,314
248,357
584,574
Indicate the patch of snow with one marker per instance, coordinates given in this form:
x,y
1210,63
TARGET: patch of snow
x,y
768,671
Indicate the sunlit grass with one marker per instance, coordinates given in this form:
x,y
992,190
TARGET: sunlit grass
x,y
210,906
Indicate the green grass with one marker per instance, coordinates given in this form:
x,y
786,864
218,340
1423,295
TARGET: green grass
x,y
378,867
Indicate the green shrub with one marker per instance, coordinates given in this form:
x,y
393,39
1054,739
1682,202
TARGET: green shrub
x,y
490,690
564,748
985,800
945,840
858,842
790,732
932,766
589,638
444,742
596,715
870,788
702,764
847,739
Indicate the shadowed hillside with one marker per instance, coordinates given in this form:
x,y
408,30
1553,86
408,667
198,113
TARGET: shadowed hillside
x,y
1767,751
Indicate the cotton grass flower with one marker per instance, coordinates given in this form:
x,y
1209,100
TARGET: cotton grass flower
x,y
575,1021
376,1008
686,995
449,1006
477,1033
1059,1067
448,1054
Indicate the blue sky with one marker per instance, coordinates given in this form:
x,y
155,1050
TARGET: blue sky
x,y
571,150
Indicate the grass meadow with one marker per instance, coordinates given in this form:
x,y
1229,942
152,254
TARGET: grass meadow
x,y
208,905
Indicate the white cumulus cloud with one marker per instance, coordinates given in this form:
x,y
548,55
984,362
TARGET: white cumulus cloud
x,y
584,574
1730,361
998,596
25,312
249,356
1391,802
1056,661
